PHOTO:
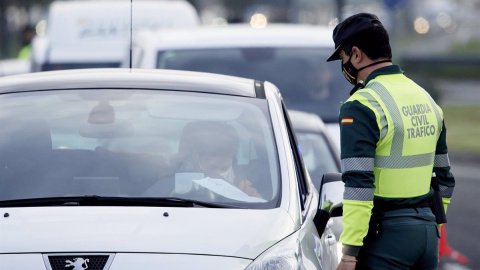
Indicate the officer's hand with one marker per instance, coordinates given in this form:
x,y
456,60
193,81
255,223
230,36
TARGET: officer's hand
x,y
347,263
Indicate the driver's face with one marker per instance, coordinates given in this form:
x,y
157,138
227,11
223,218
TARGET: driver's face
x,y
215,163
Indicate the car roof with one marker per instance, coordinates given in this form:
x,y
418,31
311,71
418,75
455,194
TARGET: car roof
x,y
238,35
306,122
129,78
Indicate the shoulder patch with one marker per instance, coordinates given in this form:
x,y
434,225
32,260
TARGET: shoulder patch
x,y
347,120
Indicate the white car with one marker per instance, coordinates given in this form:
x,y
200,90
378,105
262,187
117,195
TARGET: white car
x,y
293,57
119,169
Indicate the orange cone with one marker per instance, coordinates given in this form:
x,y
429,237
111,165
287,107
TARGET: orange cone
x,y
445,250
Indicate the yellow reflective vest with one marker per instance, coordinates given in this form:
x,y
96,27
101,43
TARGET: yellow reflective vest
x,y
389,144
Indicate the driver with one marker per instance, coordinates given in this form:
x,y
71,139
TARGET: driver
x,y
214,146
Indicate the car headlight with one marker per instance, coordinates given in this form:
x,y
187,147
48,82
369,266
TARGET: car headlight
x,y
286,255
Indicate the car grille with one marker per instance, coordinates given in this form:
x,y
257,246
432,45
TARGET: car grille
x,y
78,261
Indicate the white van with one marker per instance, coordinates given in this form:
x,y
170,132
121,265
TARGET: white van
x,y
83,34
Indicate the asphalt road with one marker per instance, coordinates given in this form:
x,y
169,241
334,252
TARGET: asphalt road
x,y
463,214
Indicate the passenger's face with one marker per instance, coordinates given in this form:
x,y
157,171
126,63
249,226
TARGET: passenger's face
x,y
216,163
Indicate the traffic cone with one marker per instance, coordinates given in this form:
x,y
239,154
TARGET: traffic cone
x,y
445,250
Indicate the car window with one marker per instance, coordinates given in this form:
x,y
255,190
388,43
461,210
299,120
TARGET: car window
x,y
299,166
317,155
307,82
137,143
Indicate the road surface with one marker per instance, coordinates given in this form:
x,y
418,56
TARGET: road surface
x,y
463,214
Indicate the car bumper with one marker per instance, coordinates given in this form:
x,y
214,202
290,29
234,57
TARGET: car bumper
x,y
124,261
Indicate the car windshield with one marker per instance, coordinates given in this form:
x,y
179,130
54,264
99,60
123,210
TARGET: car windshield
x,y
138,143
307,82
317,155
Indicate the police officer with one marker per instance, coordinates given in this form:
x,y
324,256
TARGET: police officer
x,y
393,144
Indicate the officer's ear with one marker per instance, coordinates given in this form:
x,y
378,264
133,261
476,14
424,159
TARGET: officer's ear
x,y
356,54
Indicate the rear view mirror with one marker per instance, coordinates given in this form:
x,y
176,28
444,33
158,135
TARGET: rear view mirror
x,y
331,200
103,113
119,129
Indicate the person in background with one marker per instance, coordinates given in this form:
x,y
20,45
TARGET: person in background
x,y
393,149
27,35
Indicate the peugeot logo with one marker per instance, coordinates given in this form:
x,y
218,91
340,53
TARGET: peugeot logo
x,y
78,263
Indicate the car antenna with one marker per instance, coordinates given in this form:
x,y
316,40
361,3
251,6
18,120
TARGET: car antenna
x,y
131,33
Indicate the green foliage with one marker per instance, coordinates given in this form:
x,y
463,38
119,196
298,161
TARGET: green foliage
x,y
472,47
463,130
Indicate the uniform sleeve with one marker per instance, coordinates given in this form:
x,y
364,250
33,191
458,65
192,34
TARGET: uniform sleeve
x,y
441,168
359,134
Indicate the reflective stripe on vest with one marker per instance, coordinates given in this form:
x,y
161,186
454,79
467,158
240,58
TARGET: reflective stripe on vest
x,y
441,161
381,113
446,192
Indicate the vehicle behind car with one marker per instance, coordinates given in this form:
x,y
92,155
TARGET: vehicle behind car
x,y
95,34
131,169
319,153
293,57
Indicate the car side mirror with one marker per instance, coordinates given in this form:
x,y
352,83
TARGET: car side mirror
x,y
330,203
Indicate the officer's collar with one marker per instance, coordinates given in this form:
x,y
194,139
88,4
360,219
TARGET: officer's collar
x,y
392,69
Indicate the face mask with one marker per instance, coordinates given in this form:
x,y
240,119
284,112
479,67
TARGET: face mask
x,y
351,73
228,175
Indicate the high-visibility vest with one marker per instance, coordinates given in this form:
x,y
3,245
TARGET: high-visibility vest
x,y
410,123
25,52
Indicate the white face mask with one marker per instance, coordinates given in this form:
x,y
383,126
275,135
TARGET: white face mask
x,y
228,175
221,165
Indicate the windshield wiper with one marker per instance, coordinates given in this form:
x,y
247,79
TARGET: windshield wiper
x,y
94,200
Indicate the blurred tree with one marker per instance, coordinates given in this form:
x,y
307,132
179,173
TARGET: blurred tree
x,y
3,28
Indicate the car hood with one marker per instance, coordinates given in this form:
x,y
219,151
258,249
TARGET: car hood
x,y
241,233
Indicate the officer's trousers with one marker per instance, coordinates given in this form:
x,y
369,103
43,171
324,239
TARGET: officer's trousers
x,y
409,240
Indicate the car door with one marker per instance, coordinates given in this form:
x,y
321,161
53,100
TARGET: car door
x,y
319,251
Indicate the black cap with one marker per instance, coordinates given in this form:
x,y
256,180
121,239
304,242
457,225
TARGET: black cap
x,y
351,26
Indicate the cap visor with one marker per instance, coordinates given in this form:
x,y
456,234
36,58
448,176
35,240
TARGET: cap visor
x,y
335,55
